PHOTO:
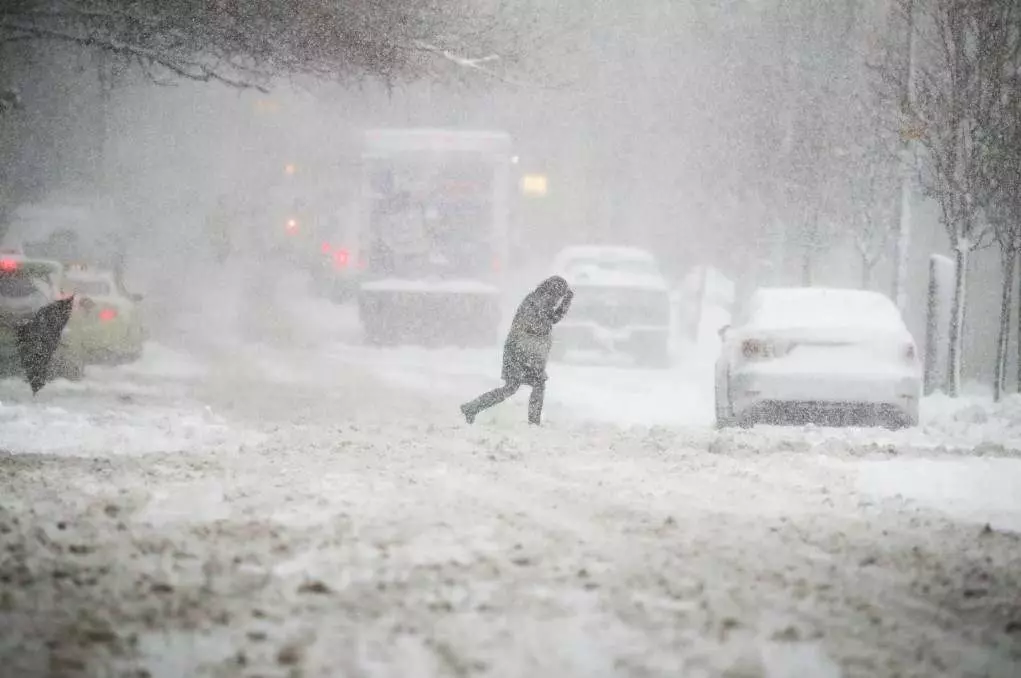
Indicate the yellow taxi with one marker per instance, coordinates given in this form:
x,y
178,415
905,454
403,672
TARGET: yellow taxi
x,y
106,317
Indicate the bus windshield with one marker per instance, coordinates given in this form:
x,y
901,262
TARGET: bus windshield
x,y
431,216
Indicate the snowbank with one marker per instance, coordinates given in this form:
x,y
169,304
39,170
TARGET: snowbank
x,y
968,490
161,362
126,430
974,420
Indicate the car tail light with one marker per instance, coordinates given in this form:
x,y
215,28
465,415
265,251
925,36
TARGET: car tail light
x,y
8,265
760,349
341,258
325,248
497,265
107,314
291,226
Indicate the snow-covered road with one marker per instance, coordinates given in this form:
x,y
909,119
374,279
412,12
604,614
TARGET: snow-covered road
x,y
321,510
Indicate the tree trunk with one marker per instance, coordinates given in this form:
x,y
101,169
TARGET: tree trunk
x,y
808,252
953,379
102,123
1017,385
903,243
1003,340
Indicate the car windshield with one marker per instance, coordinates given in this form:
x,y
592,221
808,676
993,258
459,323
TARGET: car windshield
x,y
23,284
431,216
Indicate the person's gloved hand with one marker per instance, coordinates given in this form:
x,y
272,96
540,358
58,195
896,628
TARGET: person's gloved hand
x,y
560,308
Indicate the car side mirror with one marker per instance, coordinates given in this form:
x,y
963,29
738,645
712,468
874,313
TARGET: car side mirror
x,y
723,331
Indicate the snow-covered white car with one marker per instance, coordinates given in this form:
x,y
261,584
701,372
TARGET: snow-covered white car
x,y
621,303
818,355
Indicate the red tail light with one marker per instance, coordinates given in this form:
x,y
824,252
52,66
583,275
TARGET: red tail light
x,y
8,265
497,264
325,247
107,314
291,226
341,258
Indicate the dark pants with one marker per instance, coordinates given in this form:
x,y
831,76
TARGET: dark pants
x,y
498,395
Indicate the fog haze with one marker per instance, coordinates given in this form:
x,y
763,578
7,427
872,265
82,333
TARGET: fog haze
x,y
734,134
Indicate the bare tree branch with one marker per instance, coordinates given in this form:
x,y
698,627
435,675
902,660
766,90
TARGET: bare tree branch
x,y
963,67
246,44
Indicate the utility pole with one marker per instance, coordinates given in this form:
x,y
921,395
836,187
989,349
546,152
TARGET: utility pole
x,y
900,292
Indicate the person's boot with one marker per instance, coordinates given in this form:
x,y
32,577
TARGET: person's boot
x,y
535,402
471,408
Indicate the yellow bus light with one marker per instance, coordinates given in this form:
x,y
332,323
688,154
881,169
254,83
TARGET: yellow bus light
x,y
534,185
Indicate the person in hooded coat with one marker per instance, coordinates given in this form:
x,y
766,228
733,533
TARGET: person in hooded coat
x,y
39,338
527,348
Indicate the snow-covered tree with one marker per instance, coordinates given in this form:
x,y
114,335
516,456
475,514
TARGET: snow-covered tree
x,y
1003,179
959,78
1007,227
873,214
793,62
248,43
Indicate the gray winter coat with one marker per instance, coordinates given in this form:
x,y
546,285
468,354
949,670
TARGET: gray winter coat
x,y
528,343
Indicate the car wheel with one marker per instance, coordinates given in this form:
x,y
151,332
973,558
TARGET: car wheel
x,y
723,420
128,358
902,422
67,365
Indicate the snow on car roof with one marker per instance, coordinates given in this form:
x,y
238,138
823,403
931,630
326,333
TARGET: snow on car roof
x,y
609,266
821,306
594,277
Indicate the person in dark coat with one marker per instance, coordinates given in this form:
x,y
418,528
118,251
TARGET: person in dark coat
x,y
38,340
527,348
